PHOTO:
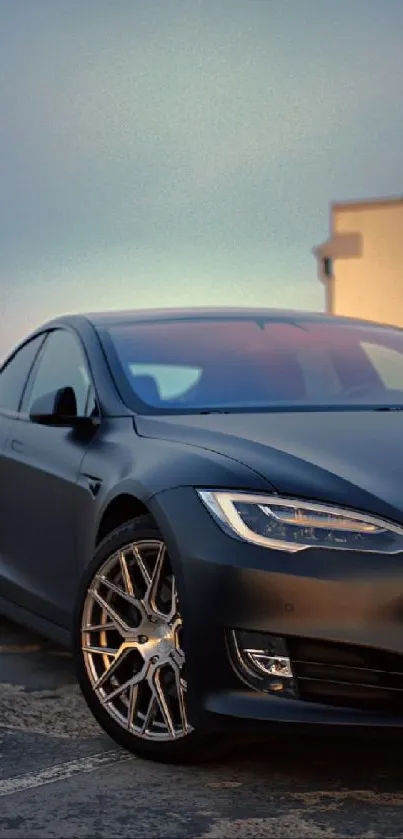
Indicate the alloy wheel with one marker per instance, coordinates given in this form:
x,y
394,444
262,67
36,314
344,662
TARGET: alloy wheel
x,y
131,640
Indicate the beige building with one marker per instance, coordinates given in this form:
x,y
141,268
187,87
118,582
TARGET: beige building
x,y
361,264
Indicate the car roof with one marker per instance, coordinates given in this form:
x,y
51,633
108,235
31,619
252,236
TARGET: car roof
x,y
128,316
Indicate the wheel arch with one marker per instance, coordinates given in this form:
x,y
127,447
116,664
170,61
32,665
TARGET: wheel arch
x,y
127,506
122,508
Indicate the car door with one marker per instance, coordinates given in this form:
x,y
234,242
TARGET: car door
x,y
13,378
41,470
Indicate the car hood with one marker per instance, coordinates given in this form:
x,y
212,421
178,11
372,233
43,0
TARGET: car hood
x,y
353,458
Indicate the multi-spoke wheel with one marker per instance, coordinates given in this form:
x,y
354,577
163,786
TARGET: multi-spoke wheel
x,y
128,644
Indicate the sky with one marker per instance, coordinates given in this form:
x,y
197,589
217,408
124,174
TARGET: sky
x,y
185,152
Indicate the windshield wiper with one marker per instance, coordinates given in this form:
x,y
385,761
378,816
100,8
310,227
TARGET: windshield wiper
x,y
214,411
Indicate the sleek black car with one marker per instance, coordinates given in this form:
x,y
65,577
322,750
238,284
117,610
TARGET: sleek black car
x,y
208,505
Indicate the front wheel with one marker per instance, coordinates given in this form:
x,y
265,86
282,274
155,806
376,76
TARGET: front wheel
x,y
128,647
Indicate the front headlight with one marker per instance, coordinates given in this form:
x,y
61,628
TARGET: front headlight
x,y
287,524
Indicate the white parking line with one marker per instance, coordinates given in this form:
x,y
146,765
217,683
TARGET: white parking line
x,y
61,771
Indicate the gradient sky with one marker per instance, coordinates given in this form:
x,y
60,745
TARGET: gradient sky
x,y
177,152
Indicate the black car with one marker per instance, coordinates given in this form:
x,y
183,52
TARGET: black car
x,y
208,505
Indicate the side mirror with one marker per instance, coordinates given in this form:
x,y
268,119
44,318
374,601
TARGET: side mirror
x,y
58,408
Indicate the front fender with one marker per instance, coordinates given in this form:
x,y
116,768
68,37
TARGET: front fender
x,y
120,463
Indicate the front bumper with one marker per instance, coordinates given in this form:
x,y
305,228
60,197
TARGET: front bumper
x,y
339,613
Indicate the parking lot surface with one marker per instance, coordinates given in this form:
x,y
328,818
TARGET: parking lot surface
x,y
60,776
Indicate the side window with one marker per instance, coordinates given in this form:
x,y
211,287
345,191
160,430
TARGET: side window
x,y
61,364
15,373
91,409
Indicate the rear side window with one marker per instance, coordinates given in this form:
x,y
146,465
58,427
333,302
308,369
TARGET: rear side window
x,y
15,372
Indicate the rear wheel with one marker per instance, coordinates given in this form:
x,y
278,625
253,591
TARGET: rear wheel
x,y
128,643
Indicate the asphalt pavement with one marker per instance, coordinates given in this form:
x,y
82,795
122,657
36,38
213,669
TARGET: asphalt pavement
x,y
60,776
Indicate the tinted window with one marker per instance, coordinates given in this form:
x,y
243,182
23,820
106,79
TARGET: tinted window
x,y
15,373
206,363
61,364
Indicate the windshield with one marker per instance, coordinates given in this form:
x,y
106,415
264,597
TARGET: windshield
x,y
202,364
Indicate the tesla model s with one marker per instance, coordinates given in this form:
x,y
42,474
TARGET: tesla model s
x,y
207,505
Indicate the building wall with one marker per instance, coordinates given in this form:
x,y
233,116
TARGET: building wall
x,y
366,252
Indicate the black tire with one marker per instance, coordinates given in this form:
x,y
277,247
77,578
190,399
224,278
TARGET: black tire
x,y
192,747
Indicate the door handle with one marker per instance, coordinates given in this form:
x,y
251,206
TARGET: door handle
x,y
17,445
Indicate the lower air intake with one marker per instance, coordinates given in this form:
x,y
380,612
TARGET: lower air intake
x,y
347,674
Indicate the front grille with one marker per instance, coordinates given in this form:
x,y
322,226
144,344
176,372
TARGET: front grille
x,y
347,675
